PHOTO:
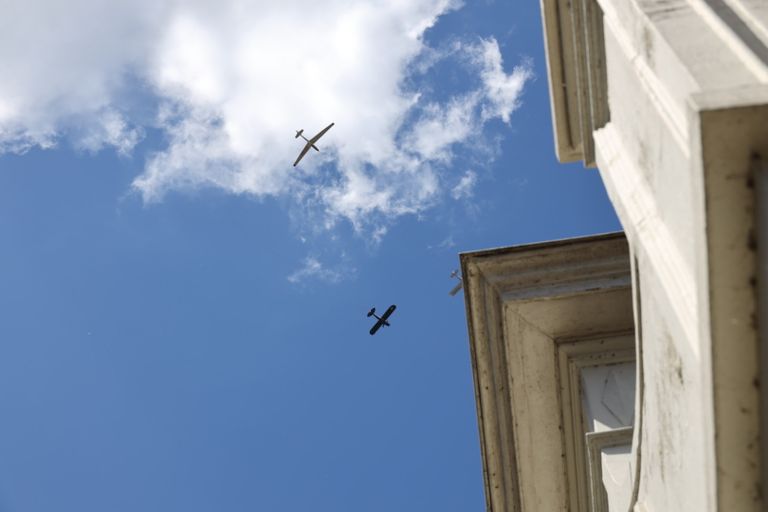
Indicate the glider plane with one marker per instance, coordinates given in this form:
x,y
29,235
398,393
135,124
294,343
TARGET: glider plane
x,y
310,142
382,320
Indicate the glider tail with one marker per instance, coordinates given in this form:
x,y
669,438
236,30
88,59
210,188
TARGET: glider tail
x,y
299,132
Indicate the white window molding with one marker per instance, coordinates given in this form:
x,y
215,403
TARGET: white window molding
x,y
577,358
536,314
598,443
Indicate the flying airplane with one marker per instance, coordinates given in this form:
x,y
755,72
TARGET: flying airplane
x,y
310,142
382,320
456,288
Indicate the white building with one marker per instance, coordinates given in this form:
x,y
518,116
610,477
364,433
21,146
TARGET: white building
x,y
615,374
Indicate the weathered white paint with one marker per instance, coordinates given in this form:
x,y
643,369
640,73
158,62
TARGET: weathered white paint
x,y
687,91
538,317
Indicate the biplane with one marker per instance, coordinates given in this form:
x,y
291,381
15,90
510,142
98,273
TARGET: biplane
x,y
382,320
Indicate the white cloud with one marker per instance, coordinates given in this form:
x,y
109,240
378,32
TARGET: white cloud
x,y
502,91
109,128
233,80
441,126
445,243
312,268
64,64
466,185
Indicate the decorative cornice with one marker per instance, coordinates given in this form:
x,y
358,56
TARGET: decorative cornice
x,y
520,301
573,36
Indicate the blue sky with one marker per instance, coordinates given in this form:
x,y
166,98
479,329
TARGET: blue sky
x,y
183,313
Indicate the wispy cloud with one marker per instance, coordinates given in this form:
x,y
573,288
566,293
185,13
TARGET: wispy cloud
x,y
502,90
109,129
466,186
446,243
232,80
312,268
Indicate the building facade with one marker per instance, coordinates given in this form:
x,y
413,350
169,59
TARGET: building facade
x,y
669,100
